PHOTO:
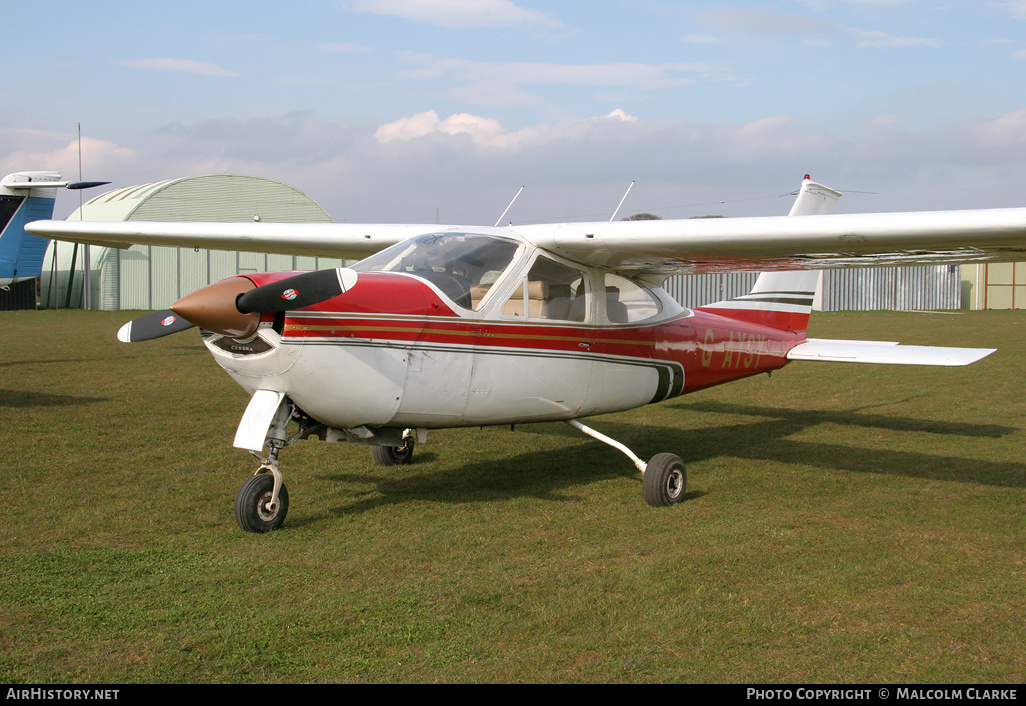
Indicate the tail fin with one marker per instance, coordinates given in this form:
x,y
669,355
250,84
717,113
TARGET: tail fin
x,y
783,300
27,197
814,200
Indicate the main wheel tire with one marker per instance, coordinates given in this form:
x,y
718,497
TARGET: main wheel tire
x,y
393,455
665,480
251,504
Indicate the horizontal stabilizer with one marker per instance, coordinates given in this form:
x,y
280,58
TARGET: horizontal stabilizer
x,y
833,351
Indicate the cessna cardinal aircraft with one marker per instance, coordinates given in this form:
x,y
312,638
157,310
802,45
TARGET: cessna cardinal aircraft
x,y
446,326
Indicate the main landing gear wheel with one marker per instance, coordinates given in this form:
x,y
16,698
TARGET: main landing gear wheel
x,y
252,510
665,480
393,455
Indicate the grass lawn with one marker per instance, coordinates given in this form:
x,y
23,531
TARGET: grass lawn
x,y
843,523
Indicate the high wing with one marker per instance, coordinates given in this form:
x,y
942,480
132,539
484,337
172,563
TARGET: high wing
x,y
343,240
812,242
660,247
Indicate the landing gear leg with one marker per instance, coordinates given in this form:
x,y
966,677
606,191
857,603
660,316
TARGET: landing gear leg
x,y
263,500
664,479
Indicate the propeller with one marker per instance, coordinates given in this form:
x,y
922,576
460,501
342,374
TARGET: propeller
x,y
232,307
155,325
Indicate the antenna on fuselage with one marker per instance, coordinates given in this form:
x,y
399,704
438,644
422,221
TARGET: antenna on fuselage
x,y
621,202
508,208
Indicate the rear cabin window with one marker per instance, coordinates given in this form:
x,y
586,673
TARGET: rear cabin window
x,y
552,291
628,301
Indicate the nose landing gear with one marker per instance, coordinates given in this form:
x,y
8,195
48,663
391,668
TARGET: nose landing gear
x,y
263,500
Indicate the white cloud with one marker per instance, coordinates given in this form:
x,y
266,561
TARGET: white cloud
x,y
460,14
813,31
468,166
509,83
1017,8
768,22
638,75
27,149
1008,130
481,130
620,115
417,125
184,65
882,40
884,121
489,133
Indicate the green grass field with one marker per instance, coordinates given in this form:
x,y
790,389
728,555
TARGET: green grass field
x,y
842,524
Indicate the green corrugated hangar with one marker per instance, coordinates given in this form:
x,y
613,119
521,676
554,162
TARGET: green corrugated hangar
x,y
152,277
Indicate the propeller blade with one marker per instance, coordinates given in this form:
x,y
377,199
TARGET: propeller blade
x,y
155,325
296,292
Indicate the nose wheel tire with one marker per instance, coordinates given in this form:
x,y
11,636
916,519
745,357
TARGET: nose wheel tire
x,y
252,504
665,480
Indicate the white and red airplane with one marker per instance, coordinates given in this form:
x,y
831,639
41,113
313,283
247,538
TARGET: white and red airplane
x,y
448,326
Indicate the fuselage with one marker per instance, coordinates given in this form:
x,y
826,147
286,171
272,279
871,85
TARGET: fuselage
x,y
538,339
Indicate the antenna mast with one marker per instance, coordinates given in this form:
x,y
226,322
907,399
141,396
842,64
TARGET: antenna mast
x,y
508,208
621,202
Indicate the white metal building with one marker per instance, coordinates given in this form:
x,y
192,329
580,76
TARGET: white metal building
x,y
152,277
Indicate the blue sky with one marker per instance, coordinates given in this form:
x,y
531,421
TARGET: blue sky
x,y
401,110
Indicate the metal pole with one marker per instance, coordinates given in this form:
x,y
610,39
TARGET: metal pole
x,y
87,280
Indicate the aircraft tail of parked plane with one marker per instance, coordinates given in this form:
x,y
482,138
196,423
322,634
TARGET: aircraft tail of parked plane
x,y
26,197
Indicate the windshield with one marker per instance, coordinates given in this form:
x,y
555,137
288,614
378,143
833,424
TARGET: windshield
x,y
464,267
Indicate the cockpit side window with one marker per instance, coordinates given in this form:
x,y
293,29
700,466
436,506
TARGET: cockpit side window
x,y
463,266
550,291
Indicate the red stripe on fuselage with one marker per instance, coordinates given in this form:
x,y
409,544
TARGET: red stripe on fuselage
x,y
779,320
